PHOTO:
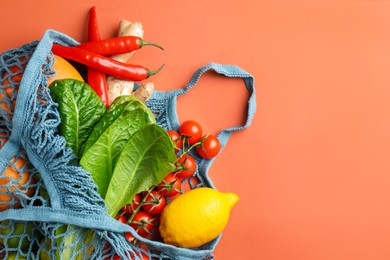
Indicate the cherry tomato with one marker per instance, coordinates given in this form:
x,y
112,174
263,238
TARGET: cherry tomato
x,y
129,237
129,208
186,166
144,256
170,185
176,138
122,219
155,202
209,147
142,223
191,130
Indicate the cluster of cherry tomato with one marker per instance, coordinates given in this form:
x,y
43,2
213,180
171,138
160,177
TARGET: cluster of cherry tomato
x,y
190,135
142,215
144,211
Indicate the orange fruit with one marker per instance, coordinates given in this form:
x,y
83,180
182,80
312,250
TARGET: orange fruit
x,y
15,175
64,70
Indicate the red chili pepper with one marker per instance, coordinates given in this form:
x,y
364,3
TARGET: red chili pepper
x,y
93,27
117,45
107,65
96,79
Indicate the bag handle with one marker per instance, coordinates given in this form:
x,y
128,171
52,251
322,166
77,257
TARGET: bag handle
x,y
231,71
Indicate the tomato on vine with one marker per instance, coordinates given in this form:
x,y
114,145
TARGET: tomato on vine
x,y
176,138
191,130
121,218
142,223
170,185
129,208
186,166
209,146
154,203
129,237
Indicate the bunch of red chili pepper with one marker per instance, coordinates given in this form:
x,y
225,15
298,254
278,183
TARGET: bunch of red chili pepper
x,y
92,54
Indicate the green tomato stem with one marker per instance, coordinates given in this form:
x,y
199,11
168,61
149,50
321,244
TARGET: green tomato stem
x,y
142,202
185,151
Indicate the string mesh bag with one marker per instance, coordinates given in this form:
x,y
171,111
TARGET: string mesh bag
x,y
49,206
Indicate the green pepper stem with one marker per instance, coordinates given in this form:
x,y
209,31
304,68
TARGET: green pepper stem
x,y
144,43
153,72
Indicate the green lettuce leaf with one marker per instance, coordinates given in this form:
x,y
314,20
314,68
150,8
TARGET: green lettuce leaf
x,y
100,159
145,160
117,108
80,109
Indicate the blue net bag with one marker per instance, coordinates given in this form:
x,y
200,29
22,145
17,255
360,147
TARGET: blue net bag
x,y
50,207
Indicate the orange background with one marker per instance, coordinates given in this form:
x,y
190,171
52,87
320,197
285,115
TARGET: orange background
x,y
313,169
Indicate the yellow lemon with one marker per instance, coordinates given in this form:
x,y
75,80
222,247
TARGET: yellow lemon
x,y
196,217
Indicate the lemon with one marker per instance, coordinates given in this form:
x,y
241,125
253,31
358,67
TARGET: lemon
x,y
196,217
